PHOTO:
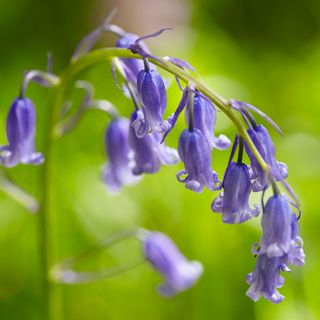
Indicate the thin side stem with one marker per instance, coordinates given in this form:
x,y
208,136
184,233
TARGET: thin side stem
x,y
240,152
190,109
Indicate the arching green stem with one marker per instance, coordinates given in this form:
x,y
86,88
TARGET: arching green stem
x,y
106,54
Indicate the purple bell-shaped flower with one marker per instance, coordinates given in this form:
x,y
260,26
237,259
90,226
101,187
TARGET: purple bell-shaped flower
x,y
204,119
21,130
118,171
153,97
179,273
263,142
195,152
233,202
148,153
265,279
276,226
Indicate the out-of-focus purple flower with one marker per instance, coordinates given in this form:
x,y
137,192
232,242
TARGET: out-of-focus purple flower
x,y
204,119
21,130
153,97
296,254
179,273
276,227
118,171
149,154
233,202
195,152
263,142
132,67
265,279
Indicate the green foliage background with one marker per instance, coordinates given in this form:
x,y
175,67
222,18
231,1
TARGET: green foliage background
x,y
266,53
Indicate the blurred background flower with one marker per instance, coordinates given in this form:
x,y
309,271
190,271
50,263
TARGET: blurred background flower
x,y
267,54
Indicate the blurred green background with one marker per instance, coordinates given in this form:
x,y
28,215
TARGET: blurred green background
x,y
263,52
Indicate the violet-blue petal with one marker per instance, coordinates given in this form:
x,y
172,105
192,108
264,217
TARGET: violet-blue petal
x,y
233,202
276,227
296,254
118,170
148,153
205,119
265,279
179,273
21,130
195,152
263,142
153,97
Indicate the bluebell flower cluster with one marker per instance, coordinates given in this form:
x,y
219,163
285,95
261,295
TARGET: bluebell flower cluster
x,y
280,247
140,149
135,146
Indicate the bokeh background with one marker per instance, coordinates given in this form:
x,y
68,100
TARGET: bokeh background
x,y
266,53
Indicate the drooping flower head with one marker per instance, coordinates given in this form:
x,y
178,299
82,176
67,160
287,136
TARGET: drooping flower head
x,y
233,202
204,119
280,247
153,97
118,171
179,273
276,226
265,279
21,130
195,152
149,154
263,142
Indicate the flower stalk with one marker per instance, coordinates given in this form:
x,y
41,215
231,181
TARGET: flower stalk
x,y
52,291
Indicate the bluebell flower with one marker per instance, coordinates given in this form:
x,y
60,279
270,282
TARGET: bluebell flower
x,y
118,171
265,279
132,67
195,152
204,119
149,153
233,202
153,97
21,130
276,226
263,142
179,273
